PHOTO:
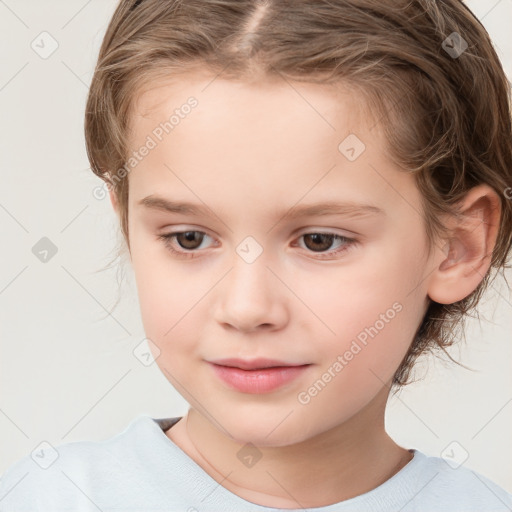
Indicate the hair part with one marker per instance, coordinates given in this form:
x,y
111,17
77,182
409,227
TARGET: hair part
x,y
446,120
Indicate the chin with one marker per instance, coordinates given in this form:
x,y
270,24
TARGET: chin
x,y
266,432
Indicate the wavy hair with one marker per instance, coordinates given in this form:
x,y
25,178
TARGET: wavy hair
x,y
445,112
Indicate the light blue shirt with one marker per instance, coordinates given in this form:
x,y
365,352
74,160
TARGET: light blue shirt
x,y
141,469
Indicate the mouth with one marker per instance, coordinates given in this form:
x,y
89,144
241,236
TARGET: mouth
x,y
258,377
254,364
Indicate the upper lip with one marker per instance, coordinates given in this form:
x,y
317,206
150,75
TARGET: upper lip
x,y
253,364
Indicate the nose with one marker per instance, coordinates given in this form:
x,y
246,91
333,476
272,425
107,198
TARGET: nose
x,y
251,297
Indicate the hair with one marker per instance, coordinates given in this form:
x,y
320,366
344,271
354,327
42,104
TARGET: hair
x,y
446,117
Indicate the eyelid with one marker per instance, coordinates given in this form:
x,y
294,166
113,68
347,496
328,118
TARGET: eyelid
x,y
183,228
326,231
304,230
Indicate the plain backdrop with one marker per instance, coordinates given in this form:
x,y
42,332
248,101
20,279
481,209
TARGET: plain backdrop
x,y
67,367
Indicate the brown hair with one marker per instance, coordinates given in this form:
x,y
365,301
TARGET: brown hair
x,y
445,112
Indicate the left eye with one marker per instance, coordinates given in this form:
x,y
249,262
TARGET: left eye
x,y
189,241
323,241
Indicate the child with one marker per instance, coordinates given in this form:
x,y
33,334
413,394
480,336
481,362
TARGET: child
x,y
379,131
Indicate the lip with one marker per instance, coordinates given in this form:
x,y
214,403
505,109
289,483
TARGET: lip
x,y
257,381
252,364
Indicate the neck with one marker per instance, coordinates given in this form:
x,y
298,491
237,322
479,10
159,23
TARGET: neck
x,y
336,465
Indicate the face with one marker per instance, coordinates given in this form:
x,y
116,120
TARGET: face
x,y
248,276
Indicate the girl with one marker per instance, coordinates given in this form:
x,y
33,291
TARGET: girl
x,y
344,168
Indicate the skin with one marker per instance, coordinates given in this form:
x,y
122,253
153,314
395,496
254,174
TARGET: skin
x,y
251,152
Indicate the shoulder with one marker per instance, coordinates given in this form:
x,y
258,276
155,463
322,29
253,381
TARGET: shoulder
x,y
29,482
54,473
445,483
72,474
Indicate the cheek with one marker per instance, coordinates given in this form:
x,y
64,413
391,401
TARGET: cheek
x,y
370,343
171,308
366,311
168,307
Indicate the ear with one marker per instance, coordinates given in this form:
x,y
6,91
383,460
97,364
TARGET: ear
x,y
466,257
115,205
113,200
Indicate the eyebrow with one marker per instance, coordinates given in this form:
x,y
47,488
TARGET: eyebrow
x,y
349,209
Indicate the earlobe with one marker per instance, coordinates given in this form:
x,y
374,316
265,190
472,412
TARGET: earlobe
x,y
466,257
113,201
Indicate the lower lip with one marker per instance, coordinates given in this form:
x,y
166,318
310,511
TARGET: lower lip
x,y
258,381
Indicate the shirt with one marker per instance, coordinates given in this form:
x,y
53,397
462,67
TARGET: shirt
x,y
141,469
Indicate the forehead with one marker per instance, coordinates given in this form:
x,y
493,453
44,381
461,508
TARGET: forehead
x,y
159,96
267,138
273,118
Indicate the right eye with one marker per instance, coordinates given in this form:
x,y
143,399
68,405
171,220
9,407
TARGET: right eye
x,y
187,240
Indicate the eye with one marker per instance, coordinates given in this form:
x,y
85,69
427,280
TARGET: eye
x,y
189,241
319,242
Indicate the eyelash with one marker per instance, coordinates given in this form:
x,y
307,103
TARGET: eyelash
x,y
168,237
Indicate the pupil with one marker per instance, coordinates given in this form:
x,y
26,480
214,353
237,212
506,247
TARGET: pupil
x,y
317,238
189,237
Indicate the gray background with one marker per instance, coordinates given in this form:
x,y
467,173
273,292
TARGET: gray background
x,y
67,367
